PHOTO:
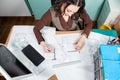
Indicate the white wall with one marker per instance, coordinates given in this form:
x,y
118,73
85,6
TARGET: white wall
x,y
13,8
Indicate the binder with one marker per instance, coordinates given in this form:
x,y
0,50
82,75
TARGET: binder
x,y
109,61
111,70
110,52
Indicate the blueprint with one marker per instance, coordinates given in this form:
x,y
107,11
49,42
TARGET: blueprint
x,y
64,47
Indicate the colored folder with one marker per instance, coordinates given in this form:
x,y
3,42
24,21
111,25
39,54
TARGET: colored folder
x,y
111,70
110,52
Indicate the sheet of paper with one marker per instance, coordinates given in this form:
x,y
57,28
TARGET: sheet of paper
x,y
102,39
82,70
63,52
22,34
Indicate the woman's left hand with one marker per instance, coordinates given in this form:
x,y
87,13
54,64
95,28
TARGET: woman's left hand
x,y
80,42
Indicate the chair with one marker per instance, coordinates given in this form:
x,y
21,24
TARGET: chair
x,y
52,2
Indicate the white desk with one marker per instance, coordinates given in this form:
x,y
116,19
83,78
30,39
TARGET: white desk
x,y
84,70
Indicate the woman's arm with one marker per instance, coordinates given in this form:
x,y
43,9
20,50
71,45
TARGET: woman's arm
x,y
45,20
87,28
87,23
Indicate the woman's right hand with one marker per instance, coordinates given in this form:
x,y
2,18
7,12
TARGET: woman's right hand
x,y
46,47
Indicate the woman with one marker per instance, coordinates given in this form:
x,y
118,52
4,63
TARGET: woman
x,y
65,15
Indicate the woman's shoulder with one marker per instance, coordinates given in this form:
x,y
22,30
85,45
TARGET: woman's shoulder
x,y
83,13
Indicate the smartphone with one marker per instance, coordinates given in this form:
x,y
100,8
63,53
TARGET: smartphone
x,y
31,53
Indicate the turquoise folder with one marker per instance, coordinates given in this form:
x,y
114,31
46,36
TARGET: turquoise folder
x,y
106,32
110,52
111,70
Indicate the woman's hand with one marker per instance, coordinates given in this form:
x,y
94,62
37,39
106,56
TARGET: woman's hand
x,y
80,42
46,47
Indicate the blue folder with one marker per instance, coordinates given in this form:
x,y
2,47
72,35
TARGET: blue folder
x,y
111,70
110,52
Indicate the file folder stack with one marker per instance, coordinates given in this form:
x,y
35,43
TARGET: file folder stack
x,y
107,62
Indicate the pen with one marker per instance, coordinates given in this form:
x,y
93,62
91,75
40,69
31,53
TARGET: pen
x,y
115,40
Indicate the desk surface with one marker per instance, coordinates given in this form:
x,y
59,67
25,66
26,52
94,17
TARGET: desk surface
x,y
58,32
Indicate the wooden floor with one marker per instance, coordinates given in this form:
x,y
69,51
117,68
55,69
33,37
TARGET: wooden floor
x,y
2,78
6,24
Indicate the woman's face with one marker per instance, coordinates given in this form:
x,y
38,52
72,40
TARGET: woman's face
x,y
70,10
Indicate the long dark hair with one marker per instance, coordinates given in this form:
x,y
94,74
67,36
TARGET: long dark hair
x,y
79,3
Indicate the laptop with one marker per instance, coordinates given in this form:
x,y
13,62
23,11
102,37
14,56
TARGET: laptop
x,y
10,67
21,64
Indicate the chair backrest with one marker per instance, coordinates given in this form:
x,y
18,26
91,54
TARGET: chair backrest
x,y
52,2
